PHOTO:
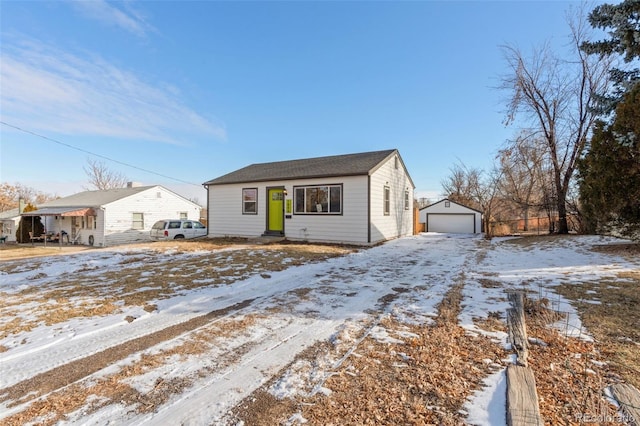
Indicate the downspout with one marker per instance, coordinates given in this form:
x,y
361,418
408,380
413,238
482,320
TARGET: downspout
x,y
104,224
208,210
369,209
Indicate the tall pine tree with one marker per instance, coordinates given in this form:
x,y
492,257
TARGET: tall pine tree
x,y
622,23
609,174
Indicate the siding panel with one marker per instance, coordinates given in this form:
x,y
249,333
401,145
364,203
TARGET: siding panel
x,y
225,212
399,222
156,204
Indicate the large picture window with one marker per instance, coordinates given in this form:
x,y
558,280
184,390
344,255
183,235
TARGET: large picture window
x,y
318,199
250,201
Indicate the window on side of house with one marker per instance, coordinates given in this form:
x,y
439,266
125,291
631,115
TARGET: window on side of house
x,y
318,199
184,215
250,201
137,221
387,201
406,200
447,204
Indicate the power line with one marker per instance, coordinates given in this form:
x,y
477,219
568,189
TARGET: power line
x,y
96,155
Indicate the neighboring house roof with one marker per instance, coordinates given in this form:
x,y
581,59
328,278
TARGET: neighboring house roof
x,y
94,198
61,211
336,165
446,199
80,203
10,214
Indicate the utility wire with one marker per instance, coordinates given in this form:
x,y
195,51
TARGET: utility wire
x,y
96,155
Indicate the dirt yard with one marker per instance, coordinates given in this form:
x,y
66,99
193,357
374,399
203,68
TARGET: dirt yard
x,y
222,331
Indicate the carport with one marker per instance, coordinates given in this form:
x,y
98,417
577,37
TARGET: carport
x,y
59,213
447,216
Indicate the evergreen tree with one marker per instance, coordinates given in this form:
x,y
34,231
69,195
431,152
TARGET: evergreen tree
x,y
622,22
29,224
609,174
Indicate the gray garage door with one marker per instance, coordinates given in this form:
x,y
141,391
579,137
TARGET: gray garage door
x,y
451,223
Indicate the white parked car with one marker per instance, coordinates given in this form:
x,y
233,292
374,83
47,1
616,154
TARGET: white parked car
x,y
175,229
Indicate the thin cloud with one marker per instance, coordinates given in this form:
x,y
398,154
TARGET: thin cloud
x,y
46,89
129,20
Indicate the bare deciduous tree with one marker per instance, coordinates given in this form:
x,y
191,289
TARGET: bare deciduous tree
x,y
101,177
10,194
558,96
476,189
522,165
457,186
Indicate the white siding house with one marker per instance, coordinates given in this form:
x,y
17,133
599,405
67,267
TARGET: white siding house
x,y
361,198
450,217
114,216
9,221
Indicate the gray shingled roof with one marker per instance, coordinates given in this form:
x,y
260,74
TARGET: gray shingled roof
x,y
336,165
94,198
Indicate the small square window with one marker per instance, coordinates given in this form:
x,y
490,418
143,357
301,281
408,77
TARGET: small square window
x,y
138,221
447,204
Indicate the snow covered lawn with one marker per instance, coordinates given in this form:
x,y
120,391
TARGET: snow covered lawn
x,y
133,336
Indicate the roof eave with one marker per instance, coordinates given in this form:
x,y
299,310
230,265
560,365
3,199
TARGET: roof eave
x,y
282,179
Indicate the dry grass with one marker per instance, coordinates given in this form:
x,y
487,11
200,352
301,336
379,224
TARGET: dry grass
x,y
425,380
23,251
570,373
614,322
145,277
530,241
91,394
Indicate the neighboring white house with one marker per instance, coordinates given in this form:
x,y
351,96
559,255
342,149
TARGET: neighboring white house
x,y
451,217
360,198
114,216
9,221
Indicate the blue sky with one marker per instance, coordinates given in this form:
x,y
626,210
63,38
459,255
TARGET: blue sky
x,y
195,89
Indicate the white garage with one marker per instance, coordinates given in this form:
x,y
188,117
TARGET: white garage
x,y
450,217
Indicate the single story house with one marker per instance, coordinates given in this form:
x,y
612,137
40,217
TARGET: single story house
x,y
9,221
450,217
114,216
360,199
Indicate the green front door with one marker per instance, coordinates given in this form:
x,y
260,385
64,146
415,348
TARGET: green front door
x,y
275,213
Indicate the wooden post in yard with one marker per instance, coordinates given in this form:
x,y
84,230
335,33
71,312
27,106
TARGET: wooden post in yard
x,y
522,399
628,398
517,327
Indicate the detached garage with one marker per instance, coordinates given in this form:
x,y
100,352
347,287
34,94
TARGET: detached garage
x,y
450,217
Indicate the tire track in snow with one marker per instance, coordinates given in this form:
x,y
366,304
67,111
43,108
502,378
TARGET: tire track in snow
x,y
211,402
371,274
71,372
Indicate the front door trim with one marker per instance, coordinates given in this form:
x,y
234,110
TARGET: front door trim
x,y
275,220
